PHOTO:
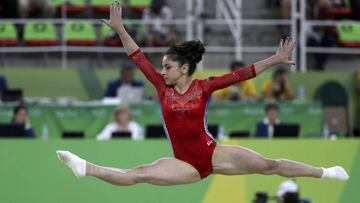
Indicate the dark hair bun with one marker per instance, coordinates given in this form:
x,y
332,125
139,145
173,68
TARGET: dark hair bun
x,y
197,50
192,50
189,52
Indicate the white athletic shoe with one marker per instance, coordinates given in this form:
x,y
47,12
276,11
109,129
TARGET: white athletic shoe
x,y
77,165
335,173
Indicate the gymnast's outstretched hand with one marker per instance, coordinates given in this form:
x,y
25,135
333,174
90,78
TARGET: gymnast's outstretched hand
x,y
115,21
281,56
286,46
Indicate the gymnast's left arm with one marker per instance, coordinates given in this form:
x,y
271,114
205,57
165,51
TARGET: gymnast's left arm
x,y
280,57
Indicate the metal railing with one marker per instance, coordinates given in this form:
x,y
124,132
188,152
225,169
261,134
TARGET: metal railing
x,y
64,48
193,23
304,49
229,14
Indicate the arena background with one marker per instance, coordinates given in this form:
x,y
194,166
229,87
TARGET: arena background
x,y
63,85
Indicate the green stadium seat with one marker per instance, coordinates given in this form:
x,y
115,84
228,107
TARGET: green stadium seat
x,y
58,3
40,34
139,5
80,34
101,6
349,34
107,38
141,32
8,35
70,6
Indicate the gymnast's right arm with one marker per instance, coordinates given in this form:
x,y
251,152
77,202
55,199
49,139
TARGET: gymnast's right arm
x,y
132,49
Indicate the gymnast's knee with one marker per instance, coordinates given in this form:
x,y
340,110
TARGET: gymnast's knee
x,y
139,175
270,166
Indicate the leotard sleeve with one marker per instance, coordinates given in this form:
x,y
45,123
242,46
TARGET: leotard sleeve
x,y
148,69
214,83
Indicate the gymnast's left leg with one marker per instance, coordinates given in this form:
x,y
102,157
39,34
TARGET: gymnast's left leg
x,y
165,171
236,160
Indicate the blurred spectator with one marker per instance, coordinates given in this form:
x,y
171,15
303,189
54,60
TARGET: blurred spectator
x,y
285,6
46,8
128,12
158,34
8,9
287,186
357,86
122,123
20,117
272,3
355,5
265,128
286,9
319,36
261,197
3,84
358,80
319,9
288,192
244,91
125,81
279,88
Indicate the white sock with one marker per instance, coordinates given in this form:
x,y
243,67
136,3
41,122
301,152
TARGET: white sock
x,y
77,165
335,173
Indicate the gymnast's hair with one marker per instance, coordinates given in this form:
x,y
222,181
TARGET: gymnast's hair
x,y
188,52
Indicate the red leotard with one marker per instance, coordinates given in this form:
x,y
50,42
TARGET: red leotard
x,y
184,115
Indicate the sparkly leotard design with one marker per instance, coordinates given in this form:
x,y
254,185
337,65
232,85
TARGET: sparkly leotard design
x,y
184,115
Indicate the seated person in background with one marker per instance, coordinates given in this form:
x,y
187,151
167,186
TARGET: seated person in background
x,y
265,128
355,5
158,34
286,9
47,8
279,88
20,118
244,91
3,84
122,123
126,80
8,9
358,81
288,192
357,86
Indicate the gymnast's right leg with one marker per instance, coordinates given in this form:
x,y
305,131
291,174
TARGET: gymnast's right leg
x,y
165,171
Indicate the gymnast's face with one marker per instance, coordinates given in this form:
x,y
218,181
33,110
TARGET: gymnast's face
x,y
171,70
